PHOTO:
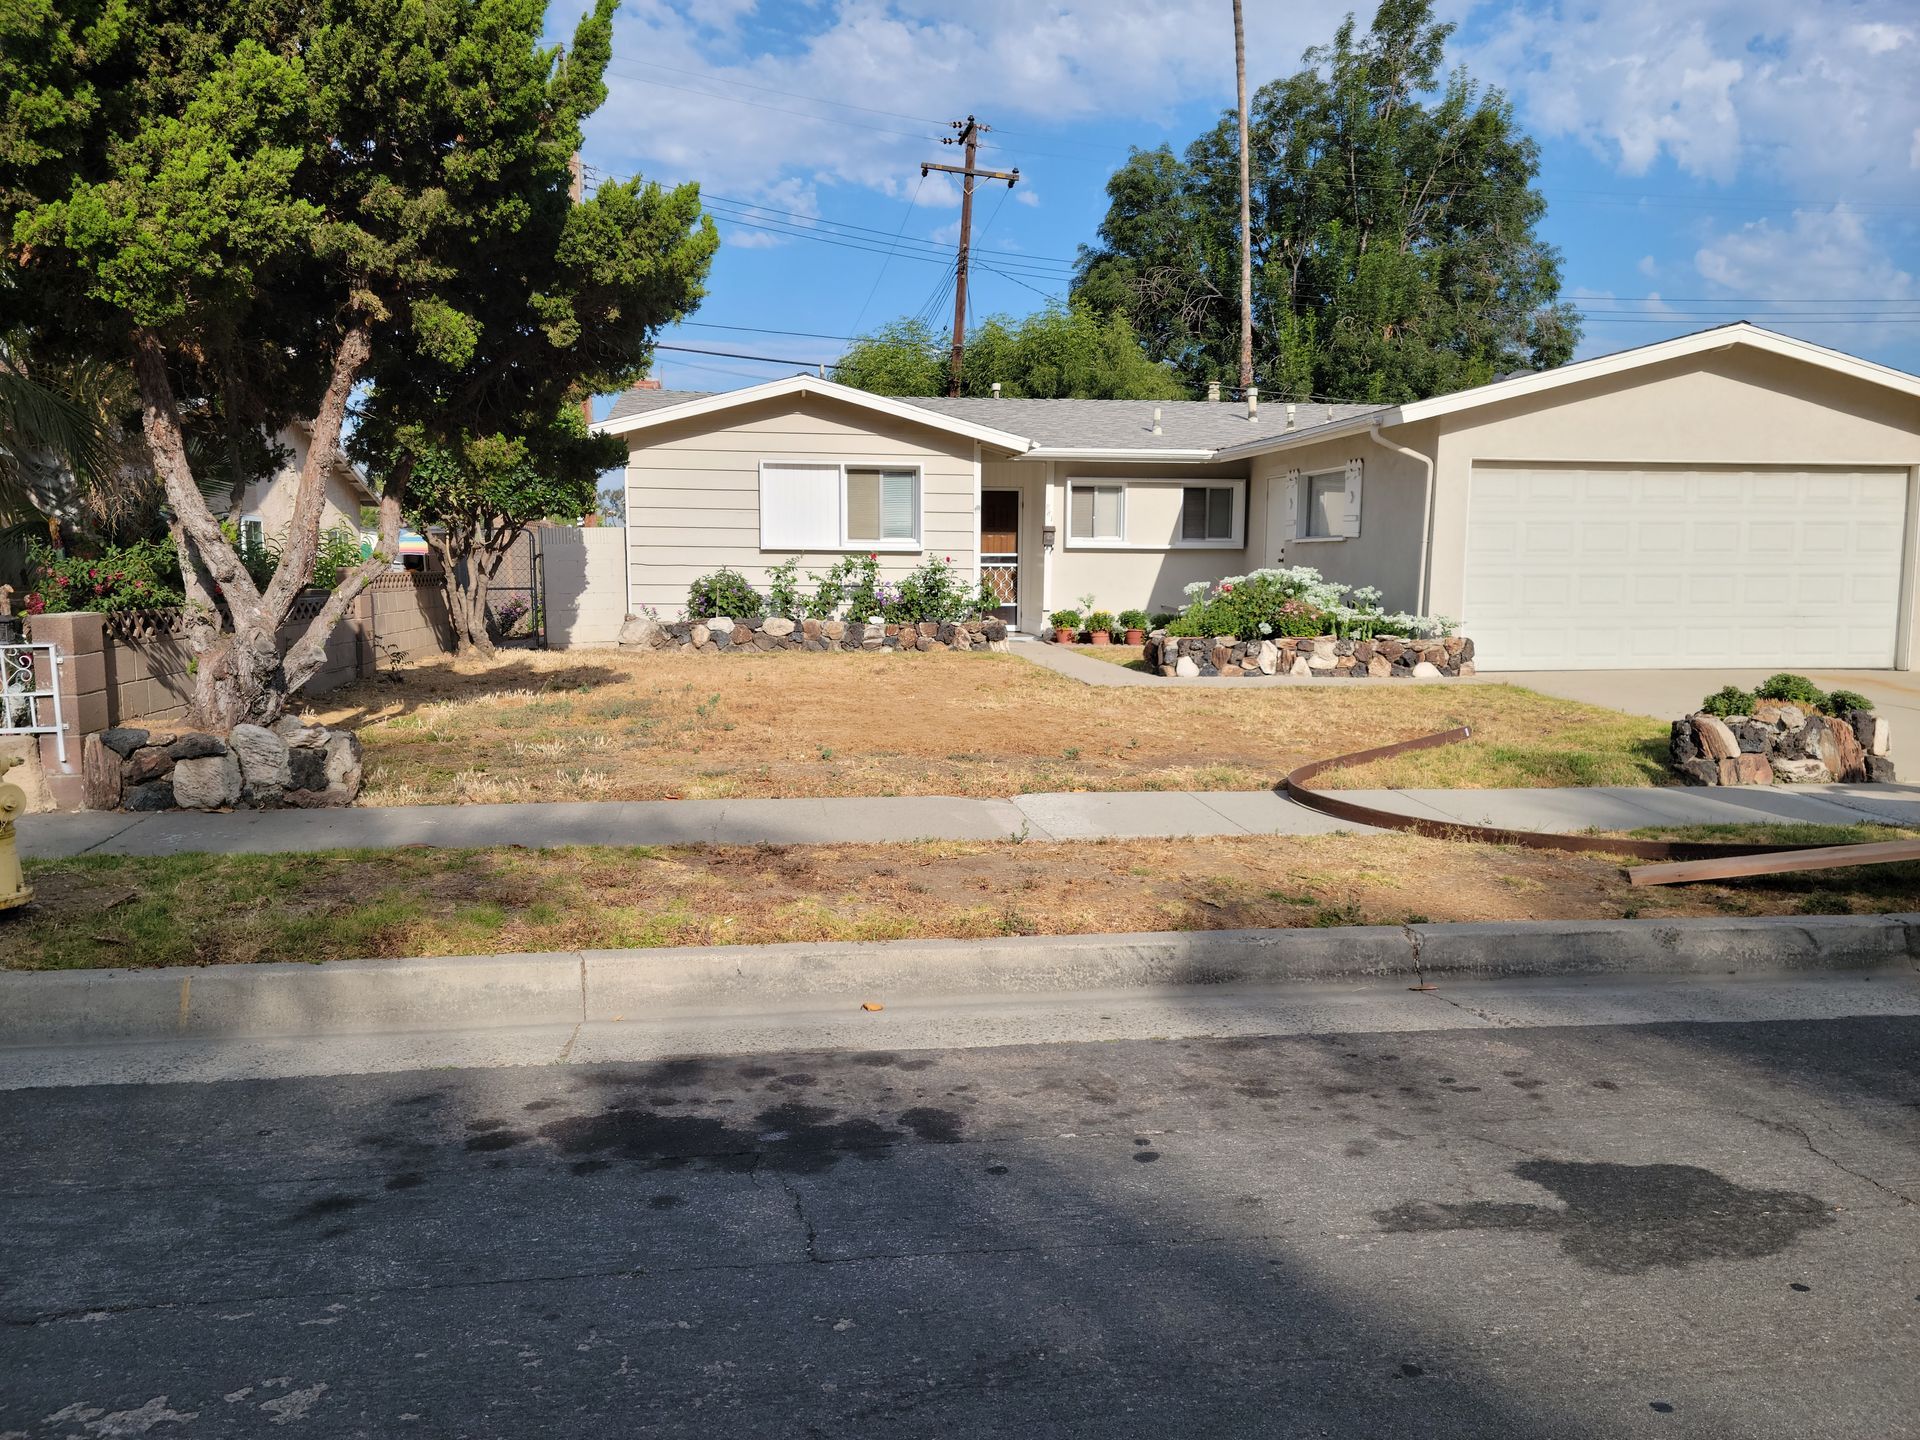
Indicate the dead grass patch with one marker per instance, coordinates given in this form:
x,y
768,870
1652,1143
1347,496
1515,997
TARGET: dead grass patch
x,y
101,911
614,726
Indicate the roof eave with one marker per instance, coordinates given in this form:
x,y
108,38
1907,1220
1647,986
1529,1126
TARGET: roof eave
x,y
804,385
1288,439
1079,452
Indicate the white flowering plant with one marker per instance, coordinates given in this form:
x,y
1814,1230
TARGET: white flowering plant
x,y
1295,601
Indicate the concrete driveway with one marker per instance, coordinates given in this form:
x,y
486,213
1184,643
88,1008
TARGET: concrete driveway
x,y
1670,694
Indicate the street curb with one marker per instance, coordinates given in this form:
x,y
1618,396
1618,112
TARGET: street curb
x,y
572,987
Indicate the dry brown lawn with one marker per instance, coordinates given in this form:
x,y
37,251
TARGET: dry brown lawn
x,y
206,909
605,725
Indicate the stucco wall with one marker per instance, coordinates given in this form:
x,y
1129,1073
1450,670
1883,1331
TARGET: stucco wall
x,y
272,499
583,584
1386,552
693,491
1146,572
1736,407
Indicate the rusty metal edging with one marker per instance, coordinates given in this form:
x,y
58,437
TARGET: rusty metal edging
x,y
1296,788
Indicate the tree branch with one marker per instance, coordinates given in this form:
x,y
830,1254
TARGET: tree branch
x,y
295,571
197,531
307,654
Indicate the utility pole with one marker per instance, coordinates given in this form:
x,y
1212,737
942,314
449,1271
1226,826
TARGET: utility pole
x,y
970,132
1246,208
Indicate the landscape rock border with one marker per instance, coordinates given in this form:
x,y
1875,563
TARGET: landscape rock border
x,y
721,636
1388,657
1781,742
255,767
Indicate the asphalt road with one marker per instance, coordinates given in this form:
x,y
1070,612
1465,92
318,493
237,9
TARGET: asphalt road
x,y
1698,1229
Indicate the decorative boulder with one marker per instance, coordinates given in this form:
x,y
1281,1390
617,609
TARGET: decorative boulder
x,y
641,632
206,782
266,765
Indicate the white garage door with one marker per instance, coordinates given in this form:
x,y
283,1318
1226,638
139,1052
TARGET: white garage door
x,y
1604,568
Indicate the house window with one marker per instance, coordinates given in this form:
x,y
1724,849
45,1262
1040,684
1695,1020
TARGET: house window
x,y
1097,512
883,507
1325,497
253,534
822,506
1206,514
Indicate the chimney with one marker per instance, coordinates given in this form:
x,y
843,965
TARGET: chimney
x,y
996,389
1156,419
648,384
1213,391
1253,402
1289,415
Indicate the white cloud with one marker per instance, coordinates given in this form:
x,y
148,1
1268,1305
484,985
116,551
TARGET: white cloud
x,y
1824,256
710,93
1818,91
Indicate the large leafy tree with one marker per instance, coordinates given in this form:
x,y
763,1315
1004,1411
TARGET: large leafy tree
x,y
1060,352
261,204
1393,227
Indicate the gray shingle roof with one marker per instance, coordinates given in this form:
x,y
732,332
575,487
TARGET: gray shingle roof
x,y
1087,424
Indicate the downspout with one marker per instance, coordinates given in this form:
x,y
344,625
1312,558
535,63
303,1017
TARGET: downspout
x,y
1426,510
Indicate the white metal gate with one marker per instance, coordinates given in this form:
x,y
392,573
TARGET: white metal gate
x,y
30,693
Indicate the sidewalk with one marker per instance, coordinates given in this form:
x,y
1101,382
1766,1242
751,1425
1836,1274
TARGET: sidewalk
x,y
1078,815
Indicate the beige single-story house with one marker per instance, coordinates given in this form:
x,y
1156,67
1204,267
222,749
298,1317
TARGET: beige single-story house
x,y
1734,497
265,508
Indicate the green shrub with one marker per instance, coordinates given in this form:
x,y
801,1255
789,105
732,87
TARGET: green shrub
x,y
859,579
934,591
340,550
783,589
1728,700
1100,622
1794,689
724,592
1133,620
1161,619
142,576
1065,620
1839,702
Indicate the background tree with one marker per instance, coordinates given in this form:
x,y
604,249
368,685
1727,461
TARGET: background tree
x,y
1393,228
259,206
1060,352
473,499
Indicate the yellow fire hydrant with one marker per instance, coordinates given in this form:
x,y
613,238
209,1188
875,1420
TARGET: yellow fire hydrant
x,y
13,800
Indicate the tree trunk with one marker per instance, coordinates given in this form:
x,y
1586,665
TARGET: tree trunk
x,y
464,580
308,654
238,671
1246,201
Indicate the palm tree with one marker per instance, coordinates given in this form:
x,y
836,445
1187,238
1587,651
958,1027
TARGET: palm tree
x,y
52,444
1246,202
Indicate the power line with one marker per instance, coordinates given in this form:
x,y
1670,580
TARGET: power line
x,y
887,260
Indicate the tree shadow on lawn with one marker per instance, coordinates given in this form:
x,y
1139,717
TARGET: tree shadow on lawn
x,y
370,702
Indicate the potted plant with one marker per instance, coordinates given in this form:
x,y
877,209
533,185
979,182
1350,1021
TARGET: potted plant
x,y
1134,622
1066,626
1100,627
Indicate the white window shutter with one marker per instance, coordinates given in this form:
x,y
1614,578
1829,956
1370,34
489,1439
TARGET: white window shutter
x,y
799,506
1352,524
1293,504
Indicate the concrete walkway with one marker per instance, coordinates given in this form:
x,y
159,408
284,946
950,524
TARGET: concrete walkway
x,y
1075,815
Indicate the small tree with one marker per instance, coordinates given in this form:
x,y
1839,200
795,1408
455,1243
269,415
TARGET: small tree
x,y
473,501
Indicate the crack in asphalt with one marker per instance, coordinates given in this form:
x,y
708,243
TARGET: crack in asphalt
x,y
1788,1127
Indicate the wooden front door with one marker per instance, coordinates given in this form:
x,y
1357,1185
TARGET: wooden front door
x,y
1000,547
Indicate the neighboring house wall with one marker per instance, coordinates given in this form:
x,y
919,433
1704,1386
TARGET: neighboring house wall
x,y
1386,553
693,492
272,499
583,584
1733,408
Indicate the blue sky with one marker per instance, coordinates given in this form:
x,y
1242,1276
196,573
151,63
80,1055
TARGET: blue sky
x,y
1754,159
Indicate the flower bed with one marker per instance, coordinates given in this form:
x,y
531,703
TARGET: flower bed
x,y
1383,657
720,635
